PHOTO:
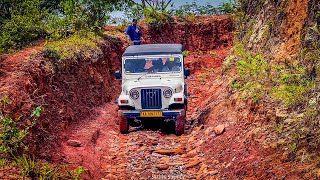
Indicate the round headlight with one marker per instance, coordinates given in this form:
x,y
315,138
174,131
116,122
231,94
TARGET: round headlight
x,y
134,94
167,93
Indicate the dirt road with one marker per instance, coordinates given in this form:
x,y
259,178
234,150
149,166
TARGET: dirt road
x,y
151,153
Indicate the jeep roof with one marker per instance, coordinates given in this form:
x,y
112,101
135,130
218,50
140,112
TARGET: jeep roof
x,y
153,49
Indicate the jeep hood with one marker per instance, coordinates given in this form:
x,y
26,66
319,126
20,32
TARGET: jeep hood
x,y
146,83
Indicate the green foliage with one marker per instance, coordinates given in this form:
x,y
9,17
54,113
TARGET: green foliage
x,y
253,72
290,85
24,26
257,78
39,170
293,147
279,127
3,163
4,101
11,137
76,173
227,7
37,112
12,151
290,94
194,9
156,18
134,12
56,27
122,26
22,22
27,165
185,53
76,47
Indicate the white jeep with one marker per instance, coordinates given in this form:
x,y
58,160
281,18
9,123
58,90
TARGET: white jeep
x,y
153,85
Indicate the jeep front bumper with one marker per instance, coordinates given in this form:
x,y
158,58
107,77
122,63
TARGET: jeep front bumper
x,y
164,113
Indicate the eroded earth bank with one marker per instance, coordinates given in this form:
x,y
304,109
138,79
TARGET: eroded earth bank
x,y
79,125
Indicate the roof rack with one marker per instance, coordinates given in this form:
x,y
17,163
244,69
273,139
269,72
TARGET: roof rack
x,y
153,49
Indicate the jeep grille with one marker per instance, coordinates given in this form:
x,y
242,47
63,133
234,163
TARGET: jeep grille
x,y
151,99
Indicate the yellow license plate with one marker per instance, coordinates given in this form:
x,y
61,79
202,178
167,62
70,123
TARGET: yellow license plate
x,y
151,114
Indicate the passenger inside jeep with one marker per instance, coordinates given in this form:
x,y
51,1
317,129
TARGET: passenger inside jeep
x,y
171,65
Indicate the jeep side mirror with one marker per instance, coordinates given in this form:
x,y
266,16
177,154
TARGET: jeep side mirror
x,y
118,75
187,72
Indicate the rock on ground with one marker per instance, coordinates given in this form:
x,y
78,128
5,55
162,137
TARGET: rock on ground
x,y
219,129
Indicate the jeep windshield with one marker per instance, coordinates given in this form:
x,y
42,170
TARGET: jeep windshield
x,y
153,65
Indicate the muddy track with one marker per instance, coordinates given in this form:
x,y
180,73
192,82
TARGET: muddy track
x,y
148,153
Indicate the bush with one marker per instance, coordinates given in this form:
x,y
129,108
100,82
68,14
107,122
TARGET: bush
x,y
56,27
194,9
289,86
253,73
24,26
39,170
227,7
25,21
291,83
11,137
257,78
156,18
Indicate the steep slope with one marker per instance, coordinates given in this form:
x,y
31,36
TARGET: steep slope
x,y
275,67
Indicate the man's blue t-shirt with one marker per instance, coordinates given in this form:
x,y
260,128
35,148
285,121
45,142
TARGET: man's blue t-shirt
x,y
131,31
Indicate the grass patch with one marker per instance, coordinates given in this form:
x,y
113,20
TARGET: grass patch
x,y
76,47
256,78
39,170
185,53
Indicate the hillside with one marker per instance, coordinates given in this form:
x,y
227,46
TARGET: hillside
x,y
253,99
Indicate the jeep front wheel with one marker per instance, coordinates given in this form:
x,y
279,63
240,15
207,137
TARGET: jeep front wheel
x,y
124,125
179,125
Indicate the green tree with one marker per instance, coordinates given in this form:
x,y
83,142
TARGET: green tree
x,y
23,21
22,24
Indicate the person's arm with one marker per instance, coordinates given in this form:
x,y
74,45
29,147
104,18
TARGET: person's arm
x,y
128,30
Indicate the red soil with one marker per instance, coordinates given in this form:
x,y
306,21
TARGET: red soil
x,y
103,149
78,100
67,91
202,33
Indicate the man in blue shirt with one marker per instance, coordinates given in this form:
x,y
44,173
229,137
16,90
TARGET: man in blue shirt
x,y
134,32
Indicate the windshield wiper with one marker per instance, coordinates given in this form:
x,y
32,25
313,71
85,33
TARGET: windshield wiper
x,y
142,75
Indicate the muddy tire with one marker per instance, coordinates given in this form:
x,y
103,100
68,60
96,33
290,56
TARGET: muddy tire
x,y
124,125
179,125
